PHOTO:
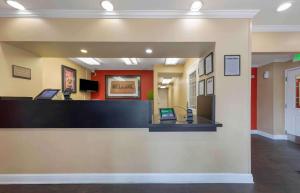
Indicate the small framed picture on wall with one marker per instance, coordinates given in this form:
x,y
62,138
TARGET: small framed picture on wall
x,y
69,79
201,68
201,88
210,86
209,63
232,65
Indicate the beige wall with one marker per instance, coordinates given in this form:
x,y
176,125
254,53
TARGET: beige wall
x,y
137,150
273,42
265,100
52,75
46,73
113,151
271,97
10,86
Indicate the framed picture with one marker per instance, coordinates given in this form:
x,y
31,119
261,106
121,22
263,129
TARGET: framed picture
x,y
123,87
201,68
210,86
209,63
201,88
21,72
69,79
232,65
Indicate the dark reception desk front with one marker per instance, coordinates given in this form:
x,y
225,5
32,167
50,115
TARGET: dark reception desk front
x,y
91,114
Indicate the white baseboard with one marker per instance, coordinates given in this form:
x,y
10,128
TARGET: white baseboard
x,y
270,136
126,178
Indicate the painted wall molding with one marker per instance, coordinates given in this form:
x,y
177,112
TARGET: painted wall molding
x,y
129,14
276,28
125,178
270,136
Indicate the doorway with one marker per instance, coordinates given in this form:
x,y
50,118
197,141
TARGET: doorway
x,y
292,101
163,97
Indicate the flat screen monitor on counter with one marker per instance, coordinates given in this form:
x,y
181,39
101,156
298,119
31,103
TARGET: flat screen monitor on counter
x,y
47,94
89,85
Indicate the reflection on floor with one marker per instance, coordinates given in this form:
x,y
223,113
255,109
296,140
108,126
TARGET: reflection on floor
x,y
274,164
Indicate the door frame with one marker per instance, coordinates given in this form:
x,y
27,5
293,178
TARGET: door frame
x,y
285,95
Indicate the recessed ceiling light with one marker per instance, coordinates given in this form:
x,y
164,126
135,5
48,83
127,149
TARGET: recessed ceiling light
x,y
171,61
83,51
163,87
127,61
15,5
196,6
166,81
107,5
149,51
130,61
284,6
134,61
90,61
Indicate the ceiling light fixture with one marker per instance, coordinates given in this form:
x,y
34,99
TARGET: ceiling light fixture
x,y
16,5
107,5
127,61
84,51
284,6
166,81
162,87
149,51
134,61
130,61
196,6
171,61
89,61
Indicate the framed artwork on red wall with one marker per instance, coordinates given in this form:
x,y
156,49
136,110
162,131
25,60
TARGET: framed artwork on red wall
x,y
123,87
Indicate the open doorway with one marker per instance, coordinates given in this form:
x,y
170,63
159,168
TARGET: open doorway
x,y
276,94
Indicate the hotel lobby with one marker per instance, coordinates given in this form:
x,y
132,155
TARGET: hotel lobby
x,y
149,96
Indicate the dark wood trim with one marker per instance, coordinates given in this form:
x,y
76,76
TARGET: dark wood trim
x,y
199,124
75,114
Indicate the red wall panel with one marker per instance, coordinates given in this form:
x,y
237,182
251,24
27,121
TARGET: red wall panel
x,y
254,99
146,81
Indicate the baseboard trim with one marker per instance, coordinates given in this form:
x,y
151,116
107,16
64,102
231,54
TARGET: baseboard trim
x,y
270,136
126,178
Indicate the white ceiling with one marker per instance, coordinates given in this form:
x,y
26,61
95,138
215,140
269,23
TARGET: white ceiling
x,y
118,64
111,53
266,16
267,58
116,49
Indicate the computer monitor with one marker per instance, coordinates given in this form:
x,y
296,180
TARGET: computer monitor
x,y
167,114
47,94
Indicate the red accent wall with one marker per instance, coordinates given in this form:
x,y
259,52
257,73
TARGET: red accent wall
x,y
254,99
146,81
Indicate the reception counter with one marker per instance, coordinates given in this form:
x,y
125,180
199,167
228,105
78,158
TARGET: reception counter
x,y
92,114
114,139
